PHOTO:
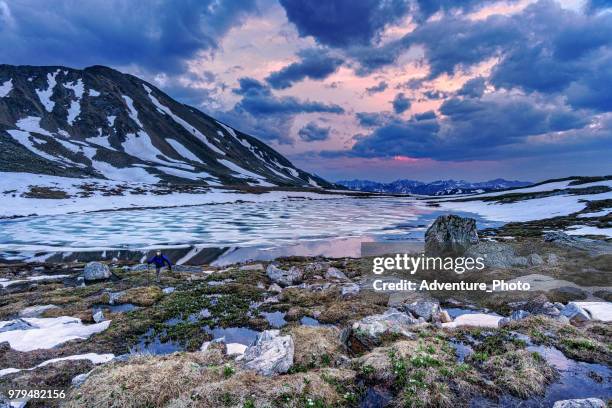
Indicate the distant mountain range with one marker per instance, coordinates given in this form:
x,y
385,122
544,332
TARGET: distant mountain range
x,y
101,123
436,188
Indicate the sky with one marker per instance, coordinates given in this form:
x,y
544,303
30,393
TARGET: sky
x,y
370,89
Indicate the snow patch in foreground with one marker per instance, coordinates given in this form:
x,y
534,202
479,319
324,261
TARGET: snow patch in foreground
x,y
50,332
47,278
93,357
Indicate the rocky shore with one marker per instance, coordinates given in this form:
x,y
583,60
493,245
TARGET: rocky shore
x,y
312,332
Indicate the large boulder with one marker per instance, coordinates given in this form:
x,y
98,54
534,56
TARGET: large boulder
x,y
450,234
425,308
580,403
271,354
370,331
496,255
95,271
283,277
575,313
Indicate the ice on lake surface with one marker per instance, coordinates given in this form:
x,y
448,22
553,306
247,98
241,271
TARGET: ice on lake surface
x,y
236,224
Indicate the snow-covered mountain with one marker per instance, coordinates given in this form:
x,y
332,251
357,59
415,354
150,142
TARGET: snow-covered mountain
x,y
100,123
436,188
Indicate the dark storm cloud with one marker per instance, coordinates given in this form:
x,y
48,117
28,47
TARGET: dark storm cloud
x,y
312,132
258,99
494,127
154,36
400,103
314,64
268,116
380,87
340,23
473,88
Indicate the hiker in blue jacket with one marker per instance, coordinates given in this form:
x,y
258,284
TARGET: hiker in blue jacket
x,y
160,260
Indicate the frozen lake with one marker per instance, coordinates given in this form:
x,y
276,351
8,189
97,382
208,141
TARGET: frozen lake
x,y
242,224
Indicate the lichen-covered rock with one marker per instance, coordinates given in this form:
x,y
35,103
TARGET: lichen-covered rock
x,y
95,271
271,354
516,315
350,289
98,316
496,255
450,234
369,331
535,260
580,403
575,313
283,277
335,273
423,308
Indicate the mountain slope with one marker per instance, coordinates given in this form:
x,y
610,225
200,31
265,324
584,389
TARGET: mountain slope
x,y
100,123
439,187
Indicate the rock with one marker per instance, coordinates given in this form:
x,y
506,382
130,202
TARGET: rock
x,y
17,324
367,332
282,277
334,273
275,288
444,317
78,380
535,260
350,289
540,305
594,247
423,308
496,255
598,310
580,403
95,271
98,316
559,305
112,297
205,346
575,313
36,311
167,291
253,267
450,234
271,354
474,320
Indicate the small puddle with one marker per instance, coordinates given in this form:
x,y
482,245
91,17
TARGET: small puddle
x,y
276,319
462,350
124,308
242,335
149,344
376,397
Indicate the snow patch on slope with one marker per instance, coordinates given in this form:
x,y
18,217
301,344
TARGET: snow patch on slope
x,y
75,105
132,110
183,151
45,94
188,127
6,88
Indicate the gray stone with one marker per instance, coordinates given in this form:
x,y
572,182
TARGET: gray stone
x,y
334,273
580,403
78,380
95,271
584,244
17,324
423,308
516,315
367,332
496,255
575,313
275,288
535,260
350,289
283,277
444,317
552,259
168,290
98,316
271,354
36,311
450,234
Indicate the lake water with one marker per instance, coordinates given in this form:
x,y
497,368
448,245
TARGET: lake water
x,y
236,225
